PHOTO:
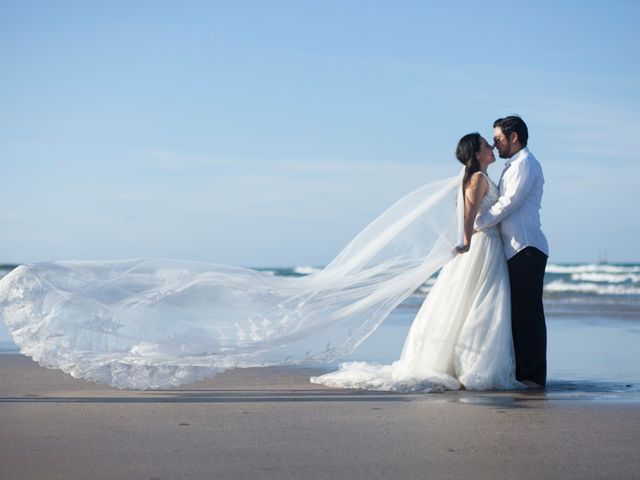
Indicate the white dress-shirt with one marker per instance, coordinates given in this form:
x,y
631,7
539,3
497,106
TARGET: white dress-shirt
x,y
518,208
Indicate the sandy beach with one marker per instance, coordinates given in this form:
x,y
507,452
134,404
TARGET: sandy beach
x,y
272,423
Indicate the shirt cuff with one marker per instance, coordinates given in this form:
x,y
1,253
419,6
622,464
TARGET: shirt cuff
x,y
480,222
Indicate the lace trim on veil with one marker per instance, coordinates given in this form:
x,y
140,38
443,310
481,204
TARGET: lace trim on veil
x,y
152,323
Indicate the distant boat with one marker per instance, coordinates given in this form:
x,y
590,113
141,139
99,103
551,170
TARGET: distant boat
x,y
602,257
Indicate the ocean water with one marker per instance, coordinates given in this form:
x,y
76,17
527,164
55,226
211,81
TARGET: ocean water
x,y
593,321
570,290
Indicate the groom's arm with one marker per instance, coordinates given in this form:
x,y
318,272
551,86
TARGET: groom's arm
x,y
517,185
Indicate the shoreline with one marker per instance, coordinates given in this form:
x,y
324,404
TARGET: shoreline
x,y
273,423
586,355
14,365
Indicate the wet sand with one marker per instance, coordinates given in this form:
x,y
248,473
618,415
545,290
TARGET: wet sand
x,y
273,423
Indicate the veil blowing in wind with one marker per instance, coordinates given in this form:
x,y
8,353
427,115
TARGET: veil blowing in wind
x,y
153,323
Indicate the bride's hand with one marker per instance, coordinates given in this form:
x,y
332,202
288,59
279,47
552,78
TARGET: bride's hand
x,y
463,248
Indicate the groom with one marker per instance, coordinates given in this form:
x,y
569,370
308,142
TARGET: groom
x,y
518,212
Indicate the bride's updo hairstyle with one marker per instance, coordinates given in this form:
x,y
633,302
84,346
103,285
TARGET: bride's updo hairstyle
x,y
466,152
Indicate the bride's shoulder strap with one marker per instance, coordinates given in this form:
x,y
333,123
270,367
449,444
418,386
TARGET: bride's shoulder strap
x,y
478,185
478,175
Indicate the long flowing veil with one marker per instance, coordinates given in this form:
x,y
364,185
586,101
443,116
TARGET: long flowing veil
x,y
152,323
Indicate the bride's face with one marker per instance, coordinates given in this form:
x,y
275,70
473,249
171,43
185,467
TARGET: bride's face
x,y
485,155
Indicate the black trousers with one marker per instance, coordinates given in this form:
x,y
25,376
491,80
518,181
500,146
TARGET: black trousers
x,y
526,275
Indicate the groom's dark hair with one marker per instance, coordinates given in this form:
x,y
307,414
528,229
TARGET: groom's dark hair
x,y
513,123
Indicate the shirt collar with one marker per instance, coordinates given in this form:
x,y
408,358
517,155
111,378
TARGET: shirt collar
x,y
521,154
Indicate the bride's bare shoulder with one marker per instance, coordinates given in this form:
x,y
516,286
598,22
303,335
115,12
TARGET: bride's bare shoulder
x,y
478,185
479,179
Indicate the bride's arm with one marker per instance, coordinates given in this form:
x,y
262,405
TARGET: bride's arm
x,y
473,195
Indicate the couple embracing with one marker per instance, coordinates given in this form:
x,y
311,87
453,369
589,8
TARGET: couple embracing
x,y
482,326
152,323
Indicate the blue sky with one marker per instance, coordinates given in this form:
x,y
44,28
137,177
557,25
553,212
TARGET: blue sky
x,y
269,133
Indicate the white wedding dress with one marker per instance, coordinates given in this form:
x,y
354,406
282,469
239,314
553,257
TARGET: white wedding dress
x,y
154,323
461,337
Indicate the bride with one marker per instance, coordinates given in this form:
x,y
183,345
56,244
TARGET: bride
x,y
461,336
153,323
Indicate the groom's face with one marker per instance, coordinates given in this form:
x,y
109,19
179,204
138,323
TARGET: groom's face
x,y
502,143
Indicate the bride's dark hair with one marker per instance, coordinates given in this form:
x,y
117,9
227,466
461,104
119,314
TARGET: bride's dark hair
x,y
466,151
